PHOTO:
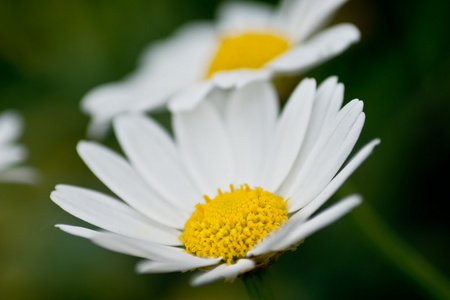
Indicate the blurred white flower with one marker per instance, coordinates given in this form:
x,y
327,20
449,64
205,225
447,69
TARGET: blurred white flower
x,y
250,41
11,154
262,176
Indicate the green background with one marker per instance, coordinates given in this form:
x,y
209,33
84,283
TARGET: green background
x,y
52,52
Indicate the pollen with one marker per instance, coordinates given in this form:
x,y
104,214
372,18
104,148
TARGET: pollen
x,y
233,222
247,50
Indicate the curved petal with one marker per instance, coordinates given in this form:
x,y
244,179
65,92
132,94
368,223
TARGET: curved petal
x,y
323,46
153,154
149,250
324,149
112,215
326,165
152,266
223,272
336,182
323,219
118,175
250,116
290,131
205,148
326,105
139,248
77,231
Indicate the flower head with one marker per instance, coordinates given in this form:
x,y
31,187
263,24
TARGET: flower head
x,y
232,190
249,42
11,127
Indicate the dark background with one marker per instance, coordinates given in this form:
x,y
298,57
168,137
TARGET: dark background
x,y
52,52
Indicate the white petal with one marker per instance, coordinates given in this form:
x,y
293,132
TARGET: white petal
x,y
151,266
205,148
297,230
149,250
327,103
27,175
11,154
323,219
110,99
153,154
98,128
118,175
323,46
336,182
235,17
223,272
251,113
184,57
240,77
303,18
324,150
112,215
326,165
77,231
11,126
289,134
129,246
188,98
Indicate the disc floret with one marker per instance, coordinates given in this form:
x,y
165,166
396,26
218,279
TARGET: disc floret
x,y
233,222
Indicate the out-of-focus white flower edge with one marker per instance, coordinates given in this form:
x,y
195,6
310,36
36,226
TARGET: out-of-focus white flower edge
x,y
175,68
297,154
11,153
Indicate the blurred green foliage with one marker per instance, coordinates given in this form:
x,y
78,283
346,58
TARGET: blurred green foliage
x,y
52,52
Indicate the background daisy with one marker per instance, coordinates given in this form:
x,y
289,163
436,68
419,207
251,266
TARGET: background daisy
x,y
11,154
250,41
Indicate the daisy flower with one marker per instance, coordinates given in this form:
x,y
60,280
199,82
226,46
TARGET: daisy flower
x,y
234,188
11,154
249,42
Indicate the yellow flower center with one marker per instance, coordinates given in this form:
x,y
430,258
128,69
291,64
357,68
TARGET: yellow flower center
x,y
247,50
233,222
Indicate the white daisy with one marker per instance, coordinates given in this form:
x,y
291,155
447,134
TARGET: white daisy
x,y
233,189
250,41
11,154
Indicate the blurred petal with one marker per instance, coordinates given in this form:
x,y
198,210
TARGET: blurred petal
x,y
240,77
303,18
11,126
236,16
188,98
323,46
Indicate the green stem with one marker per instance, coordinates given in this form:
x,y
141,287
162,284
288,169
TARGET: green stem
x,y
400,254
257,284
